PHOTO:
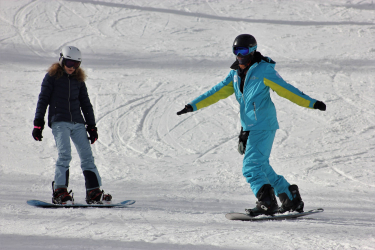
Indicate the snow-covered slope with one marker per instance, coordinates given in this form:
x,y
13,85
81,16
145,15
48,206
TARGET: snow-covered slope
x,y
145,60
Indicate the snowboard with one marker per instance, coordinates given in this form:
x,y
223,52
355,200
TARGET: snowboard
x,y
284,216
43,204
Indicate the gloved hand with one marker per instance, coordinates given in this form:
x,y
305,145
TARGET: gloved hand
x,y
242,141
188,108
38,128
93,132
320,105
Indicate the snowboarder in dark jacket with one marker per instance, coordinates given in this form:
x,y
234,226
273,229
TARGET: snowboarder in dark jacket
x,y
64,91
251,79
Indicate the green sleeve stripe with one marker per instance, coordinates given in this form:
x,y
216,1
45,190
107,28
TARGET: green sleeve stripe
x,y
224,92
283,92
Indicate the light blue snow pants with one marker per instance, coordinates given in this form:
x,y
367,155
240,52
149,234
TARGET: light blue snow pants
x,y
63,131
256,167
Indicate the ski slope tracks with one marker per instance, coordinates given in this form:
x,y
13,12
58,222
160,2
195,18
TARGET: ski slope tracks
x,y
145,60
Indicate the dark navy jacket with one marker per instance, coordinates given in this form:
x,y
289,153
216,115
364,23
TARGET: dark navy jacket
x,y
67,99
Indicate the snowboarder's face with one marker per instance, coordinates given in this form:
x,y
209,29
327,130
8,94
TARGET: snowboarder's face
x,y
244,55
71,65
69,70
244,60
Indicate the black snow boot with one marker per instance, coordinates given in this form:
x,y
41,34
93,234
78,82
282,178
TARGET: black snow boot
x,y
266,204
61,195
97,196
291,205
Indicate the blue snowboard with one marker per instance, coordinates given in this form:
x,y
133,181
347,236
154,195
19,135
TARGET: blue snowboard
x,y
289,215
37,203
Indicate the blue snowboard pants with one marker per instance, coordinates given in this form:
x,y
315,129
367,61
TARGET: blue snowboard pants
x,y
256,167
63,132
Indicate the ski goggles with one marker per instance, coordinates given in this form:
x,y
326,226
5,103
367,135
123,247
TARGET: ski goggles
x,y
71,63
244,51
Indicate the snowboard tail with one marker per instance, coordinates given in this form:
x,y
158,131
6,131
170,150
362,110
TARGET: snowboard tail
x,y
284,216
43,204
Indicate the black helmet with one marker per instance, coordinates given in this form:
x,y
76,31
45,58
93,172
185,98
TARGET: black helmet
x,y
245,40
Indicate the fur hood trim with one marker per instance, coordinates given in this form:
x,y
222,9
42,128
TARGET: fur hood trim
x,y
57,71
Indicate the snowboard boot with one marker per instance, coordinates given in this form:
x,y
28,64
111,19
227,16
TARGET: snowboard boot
x,y
61,195
97,196
266,204
291,205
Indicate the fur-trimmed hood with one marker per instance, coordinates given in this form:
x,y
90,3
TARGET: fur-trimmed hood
x,y
57,71
66,96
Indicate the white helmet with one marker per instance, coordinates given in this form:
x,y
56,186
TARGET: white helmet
x,y
70,52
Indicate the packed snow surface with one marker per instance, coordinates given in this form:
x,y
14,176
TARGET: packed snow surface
x,y
145,60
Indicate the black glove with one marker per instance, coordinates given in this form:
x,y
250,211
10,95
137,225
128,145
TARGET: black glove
x,y
320,105
38,128
188,108
242,141
93,132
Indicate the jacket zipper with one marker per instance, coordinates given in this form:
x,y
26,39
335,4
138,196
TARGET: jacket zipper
x,y
242,92
255,113
71,117
243,97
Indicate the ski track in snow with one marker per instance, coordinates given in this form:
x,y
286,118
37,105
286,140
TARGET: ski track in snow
x,y
145,60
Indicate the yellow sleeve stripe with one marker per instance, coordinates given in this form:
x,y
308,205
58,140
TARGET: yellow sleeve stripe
x,y
283,92
223,93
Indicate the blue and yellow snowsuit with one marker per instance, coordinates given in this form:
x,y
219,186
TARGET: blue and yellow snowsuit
x,y
258,115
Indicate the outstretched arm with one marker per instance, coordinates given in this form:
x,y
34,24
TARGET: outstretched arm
x,y
273,80
220,91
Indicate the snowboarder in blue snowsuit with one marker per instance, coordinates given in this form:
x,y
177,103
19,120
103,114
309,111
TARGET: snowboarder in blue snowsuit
x,y
251,78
